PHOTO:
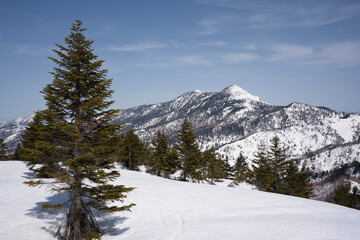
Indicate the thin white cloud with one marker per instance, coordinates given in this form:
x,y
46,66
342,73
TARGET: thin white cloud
x,y
239,58
261,14
192,60
30,49
183,61
215,24
250,47
138,47
287,52
342,54
213,44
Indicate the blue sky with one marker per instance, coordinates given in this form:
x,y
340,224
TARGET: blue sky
x,y
281,51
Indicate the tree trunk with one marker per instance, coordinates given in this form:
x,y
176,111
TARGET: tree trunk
x,y
78,215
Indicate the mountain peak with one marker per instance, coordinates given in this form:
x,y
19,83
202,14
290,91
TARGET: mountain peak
x,y
235,92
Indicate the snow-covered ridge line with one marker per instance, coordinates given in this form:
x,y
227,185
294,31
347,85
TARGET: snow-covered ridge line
x,y
233,120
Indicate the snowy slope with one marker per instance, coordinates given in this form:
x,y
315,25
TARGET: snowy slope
x,y
168,209
11,131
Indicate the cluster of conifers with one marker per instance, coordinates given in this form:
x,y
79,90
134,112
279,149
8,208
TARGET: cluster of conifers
x,y
271,169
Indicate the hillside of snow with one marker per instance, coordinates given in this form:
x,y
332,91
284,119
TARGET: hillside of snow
x,y
168,209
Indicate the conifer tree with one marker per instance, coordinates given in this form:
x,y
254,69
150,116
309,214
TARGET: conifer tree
x,y
214,165
227,170
241,169
132,150
278,160
346,196
307,186
3,150
80,136
161,162
189,153
17,152
293,184
262,174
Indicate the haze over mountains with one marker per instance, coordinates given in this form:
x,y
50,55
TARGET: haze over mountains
x,y
235,121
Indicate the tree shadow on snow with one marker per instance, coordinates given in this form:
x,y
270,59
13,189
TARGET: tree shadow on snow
x,y
110,224
29,175
56,220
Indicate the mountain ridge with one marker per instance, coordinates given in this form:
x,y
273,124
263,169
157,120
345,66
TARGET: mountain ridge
x,y
234,120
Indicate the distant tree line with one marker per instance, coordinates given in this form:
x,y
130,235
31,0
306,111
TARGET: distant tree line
x,y
271,170
340,185
3,150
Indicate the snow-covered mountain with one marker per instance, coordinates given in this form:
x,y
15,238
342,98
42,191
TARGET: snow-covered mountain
x,y
167,209
235,121
11,131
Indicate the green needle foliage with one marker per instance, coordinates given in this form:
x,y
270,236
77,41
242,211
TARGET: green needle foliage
x,y
132,151
273,172
163,160
73,139
241,169
3,150
262,172
189,153
214,165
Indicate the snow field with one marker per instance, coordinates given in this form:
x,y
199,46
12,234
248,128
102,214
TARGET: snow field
x,y
169,209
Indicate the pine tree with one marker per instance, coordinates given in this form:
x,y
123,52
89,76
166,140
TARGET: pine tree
x,y
346,196
81,136
189,153
17,153
172,163
3,150
241,169
132,150
214,165
278,160
227,170
307,186
262,173
293,184
162,160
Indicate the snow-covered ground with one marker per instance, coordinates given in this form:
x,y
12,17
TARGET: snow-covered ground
x,y
168,209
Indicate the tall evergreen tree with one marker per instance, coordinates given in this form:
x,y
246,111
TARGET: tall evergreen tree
x,y
162,161
3,150
214,165
132,150
278,160
305,181
227,169
293,184
78,120
189,153
262,173
241,169
17,152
